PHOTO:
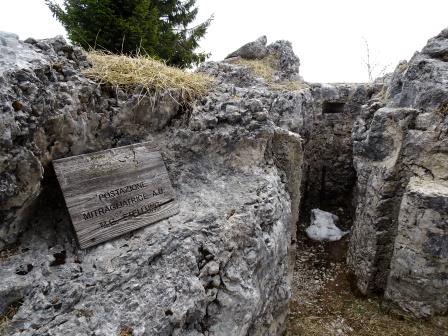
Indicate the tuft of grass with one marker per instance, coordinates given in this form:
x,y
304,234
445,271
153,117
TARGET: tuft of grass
x,y
288,85
154,76
266,69
9,251
7,315
443,109
126,331
83,313
402,66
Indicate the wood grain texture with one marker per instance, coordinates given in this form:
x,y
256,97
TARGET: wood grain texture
x,y
111,192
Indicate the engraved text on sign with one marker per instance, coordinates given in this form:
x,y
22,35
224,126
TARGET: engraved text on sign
x,y
115,191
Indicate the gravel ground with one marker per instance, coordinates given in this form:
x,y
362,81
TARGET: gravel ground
x,y
325,304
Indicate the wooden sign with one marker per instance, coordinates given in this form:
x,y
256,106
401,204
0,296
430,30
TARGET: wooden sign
x,y
115,191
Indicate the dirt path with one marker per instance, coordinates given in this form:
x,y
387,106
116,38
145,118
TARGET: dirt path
x,y
323,303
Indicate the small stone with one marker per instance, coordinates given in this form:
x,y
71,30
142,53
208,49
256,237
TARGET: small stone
x,y
216,281
213,268
261,116
252,50
17,105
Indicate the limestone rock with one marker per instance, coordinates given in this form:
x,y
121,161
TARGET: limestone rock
x,y
437,46
325,122
223,266
252,50
240,161
18,55
289,63
417,281
401,137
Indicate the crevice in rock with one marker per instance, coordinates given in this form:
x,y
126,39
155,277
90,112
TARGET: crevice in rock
x,y
8,314
329,174
333,107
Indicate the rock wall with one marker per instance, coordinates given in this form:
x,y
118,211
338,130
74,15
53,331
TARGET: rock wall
x,y
329,174
400,232
223,266
323,115
417,280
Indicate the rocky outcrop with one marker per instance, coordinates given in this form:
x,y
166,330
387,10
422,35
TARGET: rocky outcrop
x,y
241,159
15,54
419,265
286,62
252,50
400,154
50,110
223,266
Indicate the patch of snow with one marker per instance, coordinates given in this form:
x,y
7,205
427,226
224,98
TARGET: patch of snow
x,y
323,226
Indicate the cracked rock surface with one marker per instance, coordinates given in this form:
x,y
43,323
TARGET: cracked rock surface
x,y
222,266
401,157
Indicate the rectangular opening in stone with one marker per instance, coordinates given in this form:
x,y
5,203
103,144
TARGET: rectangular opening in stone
x,y
333,107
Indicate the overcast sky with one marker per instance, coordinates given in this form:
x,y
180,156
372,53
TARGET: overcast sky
x,y
327,35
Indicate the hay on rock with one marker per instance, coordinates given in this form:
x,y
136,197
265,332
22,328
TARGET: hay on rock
x,y
266,68
152,75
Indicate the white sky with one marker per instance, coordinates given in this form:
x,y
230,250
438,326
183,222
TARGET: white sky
x,y
327,35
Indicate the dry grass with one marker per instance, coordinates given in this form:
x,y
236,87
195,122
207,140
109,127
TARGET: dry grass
x,y
382,95
443,109
9,251
402,66
288,85
126,331
7,315
266,69
443,56
152,75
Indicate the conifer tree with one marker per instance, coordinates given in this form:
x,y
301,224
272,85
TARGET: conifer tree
x,y
159,28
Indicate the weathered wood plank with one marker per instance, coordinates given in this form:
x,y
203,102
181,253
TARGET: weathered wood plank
x,y
111,192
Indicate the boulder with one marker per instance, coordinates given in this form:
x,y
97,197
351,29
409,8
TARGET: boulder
x,y
252,50
288,62
417,282
222,266
16,54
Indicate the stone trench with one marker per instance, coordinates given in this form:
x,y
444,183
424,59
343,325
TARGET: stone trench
x,y
248,163
329,174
